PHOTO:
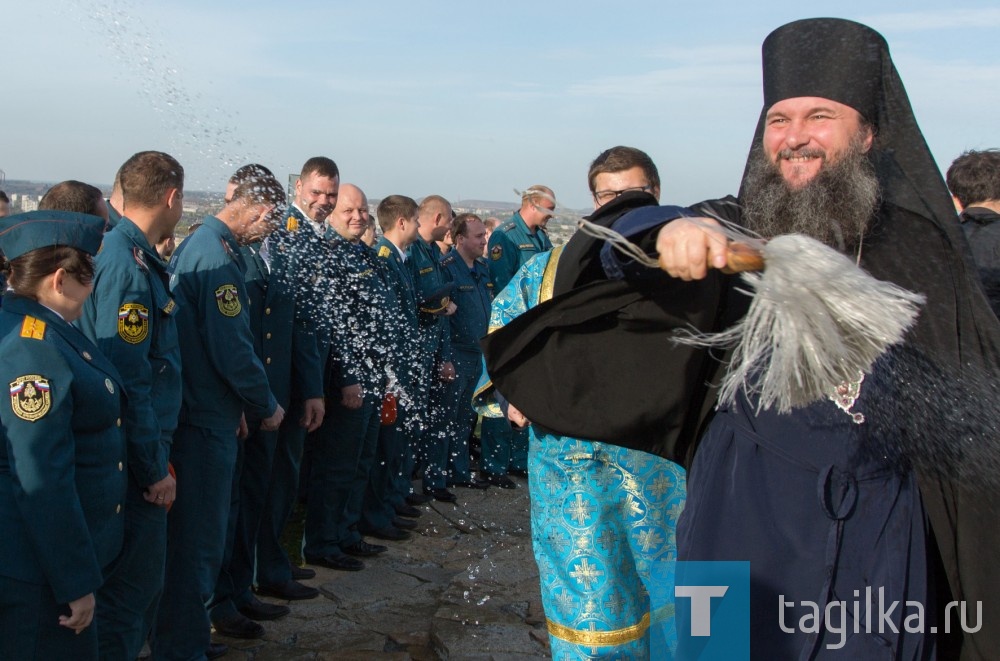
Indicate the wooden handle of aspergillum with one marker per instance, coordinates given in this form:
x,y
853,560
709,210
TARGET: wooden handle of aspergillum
x,y
741,257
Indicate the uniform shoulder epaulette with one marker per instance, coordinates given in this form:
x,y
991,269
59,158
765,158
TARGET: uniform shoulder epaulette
x,y
227,248
33,327
448,259
508,226
140,258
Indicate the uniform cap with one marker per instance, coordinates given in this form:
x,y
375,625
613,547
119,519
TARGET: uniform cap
x,y
24,232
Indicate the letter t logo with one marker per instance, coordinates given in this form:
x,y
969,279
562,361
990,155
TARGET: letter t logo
x,y
701,605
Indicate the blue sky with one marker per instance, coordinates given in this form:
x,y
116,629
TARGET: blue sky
x,y
464,99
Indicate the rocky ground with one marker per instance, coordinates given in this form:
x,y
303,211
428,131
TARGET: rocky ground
x,y
464,587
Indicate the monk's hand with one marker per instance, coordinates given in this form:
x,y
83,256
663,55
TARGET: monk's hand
x,y
688,247
516,417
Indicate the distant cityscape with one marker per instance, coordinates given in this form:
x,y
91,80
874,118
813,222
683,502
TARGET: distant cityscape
x,y
25,195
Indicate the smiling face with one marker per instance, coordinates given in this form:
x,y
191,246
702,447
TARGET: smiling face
x,y
316,195
804,134
350,217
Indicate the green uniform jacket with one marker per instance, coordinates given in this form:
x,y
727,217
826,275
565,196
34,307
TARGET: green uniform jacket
x,y
365,321
222,375
282,339
428,277
130,316
400,281
511,246
62,470
473,295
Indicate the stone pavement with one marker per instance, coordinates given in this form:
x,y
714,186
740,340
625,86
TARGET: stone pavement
x,y
464,587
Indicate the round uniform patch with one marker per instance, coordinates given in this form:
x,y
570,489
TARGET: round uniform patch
x,y
133,322
30,397
496,253
228,299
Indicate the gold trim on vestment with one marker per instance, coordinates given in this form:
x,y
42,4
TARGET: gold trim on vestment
x,y
549,275
588,638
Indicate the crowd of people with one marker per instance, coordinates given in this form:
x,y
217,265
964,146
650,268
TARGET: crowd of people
x,y
291,351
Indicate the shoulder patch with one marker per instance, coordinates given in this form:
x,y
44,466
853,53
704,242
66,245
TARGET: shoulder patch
x,y
133,322
384,251
228,299
497,252
30,397
291,223
33,328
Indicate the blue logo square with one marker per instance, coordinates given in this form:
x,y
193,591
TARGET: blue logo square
x,y
711,602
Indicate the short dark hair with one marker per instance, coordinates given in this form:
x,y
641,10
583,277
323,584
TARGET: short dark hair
x,y
974,176
147,176
393,207
28,270
3,197
460,226
72,195
260,190
250,171
619,159
321,165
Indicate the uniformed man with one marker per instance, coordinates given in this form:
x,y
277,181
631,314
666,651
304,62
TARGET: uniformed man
x,y
343,449
433,293
300,247
510,246
283,341
131,316
72,195
472,294
385,505
222,378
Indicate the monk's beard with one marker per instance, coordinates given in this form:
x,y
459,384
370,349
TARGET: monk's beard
x,y
835,207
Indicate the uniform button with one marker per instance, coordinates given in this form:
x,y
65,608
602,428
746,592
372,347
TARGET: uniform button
x,y
268,361
118,509
118,422
267,310
268,336
120,465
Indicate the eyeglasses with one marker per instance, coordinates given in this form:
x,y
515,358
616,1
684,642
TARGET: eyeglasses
x,y
605,196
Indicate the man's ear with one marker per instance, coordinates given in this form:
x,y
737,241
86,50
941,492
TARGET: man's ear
x,y
173,197
959,207
869,139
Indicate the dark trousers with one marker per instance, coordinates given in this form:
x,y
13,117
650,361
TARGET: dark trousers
x,y
29,626
341,458
128,599
205,461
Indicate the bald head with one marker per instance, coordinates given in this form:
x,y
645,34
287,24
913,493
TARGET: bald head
x,y
350,217
435,218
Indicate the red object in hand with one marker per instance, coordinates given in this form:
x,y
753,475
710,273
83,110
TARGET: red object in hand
x,y
173,474
388,409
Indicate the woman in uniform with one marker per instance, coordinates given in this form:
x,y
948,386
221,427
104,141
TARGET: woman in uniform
x,y
62,453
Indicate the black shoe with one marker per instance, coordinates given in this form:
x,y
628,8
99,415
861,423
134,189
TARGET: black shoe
x,y
260,611
216,650
302,573
363,549
339,561
238,626
407,510
443,495
403,524
517,472
417,499
471,484
390,533
501,481
292,591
